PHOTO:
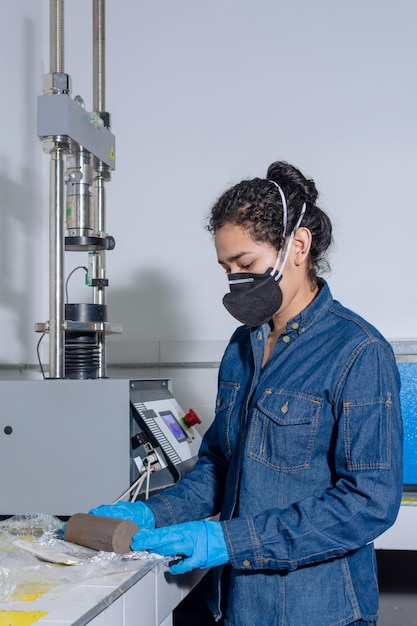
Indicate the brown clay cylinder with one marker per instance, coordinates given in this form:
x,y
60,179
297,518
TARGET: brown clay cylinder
x,y
100,533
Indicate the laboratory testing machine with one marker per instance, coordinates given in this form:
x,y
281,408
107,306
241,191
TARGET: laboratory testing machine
x,y
77,438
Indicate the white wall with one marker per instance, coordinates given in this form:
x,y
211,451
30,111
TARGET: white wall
x,y
22,244
203,94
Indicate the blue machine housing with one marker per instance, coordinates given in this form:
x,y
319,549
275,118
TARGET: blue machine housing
x,y
408,373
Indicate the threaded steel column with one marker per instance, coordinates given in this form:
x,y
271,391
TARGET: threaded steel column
x,y
99,56
56,36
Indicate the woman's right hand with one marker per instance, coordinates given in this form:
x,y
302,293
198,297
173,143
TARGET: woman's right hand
x,y
137,512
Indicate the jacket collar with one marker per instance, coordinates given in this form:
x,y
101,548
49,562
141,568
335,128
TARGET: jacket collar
x,y
306,318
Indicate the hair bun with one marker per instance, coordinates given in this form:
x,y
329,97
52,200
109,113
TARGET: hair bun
x,y
292,181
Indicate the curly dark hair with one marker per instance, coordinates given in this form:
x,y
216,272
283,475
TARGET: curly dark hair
x,y
256,205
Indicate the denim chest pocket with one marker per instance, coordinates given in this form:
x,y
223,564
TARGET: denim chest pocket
x,y
283,429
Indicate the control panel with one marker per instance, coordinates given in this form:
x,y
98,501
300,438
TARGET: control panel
x,y
164,440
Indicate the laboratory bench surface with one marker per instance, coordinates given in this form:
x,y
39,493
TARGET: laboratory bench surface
x,y
117,598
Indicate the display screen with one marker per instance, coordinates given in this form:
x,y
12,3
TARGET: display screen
x,y
173,425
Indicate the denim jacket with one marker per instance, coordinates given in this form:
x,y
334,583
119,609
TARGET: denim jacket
x,y
304,463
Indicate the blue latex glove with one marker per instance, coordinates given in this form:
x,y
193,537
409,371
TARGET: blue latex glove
x,y
201,544
137,512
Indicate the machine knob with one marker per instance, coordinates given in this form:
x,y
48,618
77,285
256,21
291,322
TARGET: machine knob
x,y
111,242
191,418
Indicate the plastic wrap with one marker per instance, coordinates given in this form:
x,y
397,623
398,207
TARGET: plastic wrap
x,y
35,557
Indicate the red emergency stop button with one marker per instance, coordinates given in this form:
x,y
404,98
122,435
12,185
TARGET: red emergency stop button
x,y
191,418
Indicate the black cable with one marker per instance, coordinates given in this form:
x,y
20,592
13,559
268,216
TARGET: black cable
x,y
39,357
79,267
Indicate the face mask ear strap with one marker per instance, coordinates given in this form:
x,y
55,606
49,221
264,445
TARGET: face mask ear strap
x,y
284,228
284,224
291,239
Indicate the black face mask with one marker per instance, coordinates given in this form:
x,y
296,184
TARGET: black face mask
x,y
253,298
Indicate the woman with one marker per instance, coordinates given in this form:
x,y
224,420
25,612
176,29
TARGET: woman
x,y
303,460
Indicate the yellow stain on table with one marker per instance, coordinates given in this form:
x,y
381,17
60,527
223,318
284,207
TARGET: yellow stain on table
x,y
20,618
29,592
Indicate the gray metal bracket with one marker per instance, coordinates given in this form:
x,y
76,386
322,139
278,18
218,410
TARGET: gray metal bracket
x,y
59,114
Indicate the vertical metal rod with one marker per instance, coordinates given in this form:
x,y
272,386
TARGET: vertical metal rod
x,y
99,292
99,201
99,192
99,58
56,208
56,38
56,264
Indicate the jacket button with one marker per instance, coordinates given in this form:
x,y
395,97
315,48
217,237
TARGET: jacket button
x,y
294,325
246,563
286,339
